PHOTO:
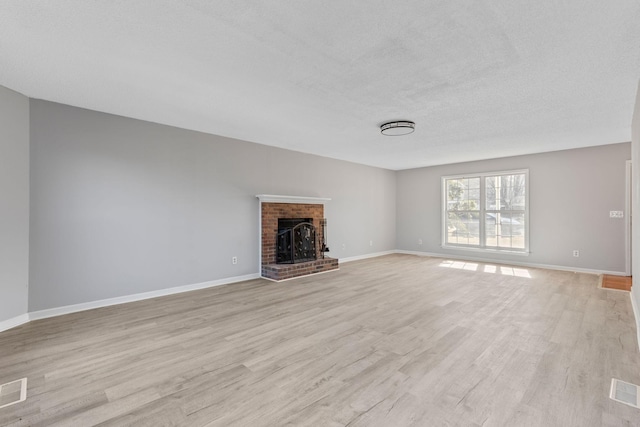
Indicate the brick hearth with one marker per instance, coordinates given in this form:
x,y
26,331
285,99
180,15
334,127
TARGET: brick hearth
x,y
288,271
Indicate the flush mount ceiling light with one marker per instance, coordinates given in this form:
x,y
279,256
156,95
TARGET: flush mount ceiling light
x,y
401,127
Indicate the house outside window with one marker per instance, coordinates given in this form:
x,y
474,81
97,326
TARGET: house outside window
x,y
486,211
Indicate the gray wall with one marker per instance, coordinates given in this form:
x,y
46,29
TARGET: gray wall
x,y
14,203
571,194
121,206
635,199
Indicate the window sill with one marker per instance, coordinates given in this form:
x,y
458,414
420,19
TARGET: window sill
x,y
487,250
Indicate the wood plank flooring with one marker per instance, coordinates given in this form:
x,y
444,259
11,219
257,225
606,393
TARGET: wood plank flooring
x,y
398,340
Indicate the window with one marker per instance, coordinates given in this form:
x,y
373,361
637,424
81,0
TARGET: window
x,y
486,211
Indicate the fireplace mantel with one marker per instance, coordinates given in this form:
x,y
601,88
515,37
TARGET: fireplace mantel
x,y
271,198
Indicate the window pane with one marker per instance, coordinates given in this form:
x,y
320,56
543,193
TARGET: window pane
x,y
491,229
473,192
463,194
463,228
492,200
505,230
517,230
505,192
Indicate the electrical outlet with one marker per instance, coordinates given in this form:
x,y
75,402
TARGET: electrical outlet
x,y
344,246
576,253
234,260
616,214
419,241
370,242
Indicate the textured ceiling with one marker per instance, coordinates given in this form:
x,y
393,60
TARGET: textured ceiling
x,y
481,79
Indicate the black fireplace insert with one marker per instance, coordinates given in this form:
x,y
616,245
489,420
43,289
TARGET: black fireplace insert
x,y
296,240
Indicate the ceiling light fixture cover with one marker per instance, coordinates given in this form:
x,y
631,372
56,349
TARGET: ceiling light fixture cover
x,y
400,127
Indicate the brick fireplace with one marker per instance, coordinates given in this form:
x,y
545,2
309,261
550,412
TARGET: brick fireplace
x,y
273,208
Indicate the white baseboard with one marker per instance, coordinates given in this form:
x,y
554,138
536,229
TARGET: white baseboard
x,y
365,256
518,263
14,321
636,315
58,311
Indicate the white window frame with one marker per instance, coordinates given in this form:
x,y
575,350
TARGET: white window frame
x,y
482,211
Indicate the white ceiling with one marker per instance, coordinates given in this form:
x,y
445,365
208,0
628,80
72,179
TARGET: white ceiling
x,y
481,79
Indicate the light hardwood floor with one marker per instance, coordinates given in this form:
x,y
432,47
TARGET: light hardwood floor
x,y
392,341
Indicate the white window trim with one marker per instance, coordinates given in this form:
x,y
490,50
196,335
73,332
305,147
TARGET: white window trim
x,y
482,176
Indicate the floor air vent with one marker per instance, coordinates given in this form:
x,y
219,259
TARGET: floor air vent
x,y
13,392
625,393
